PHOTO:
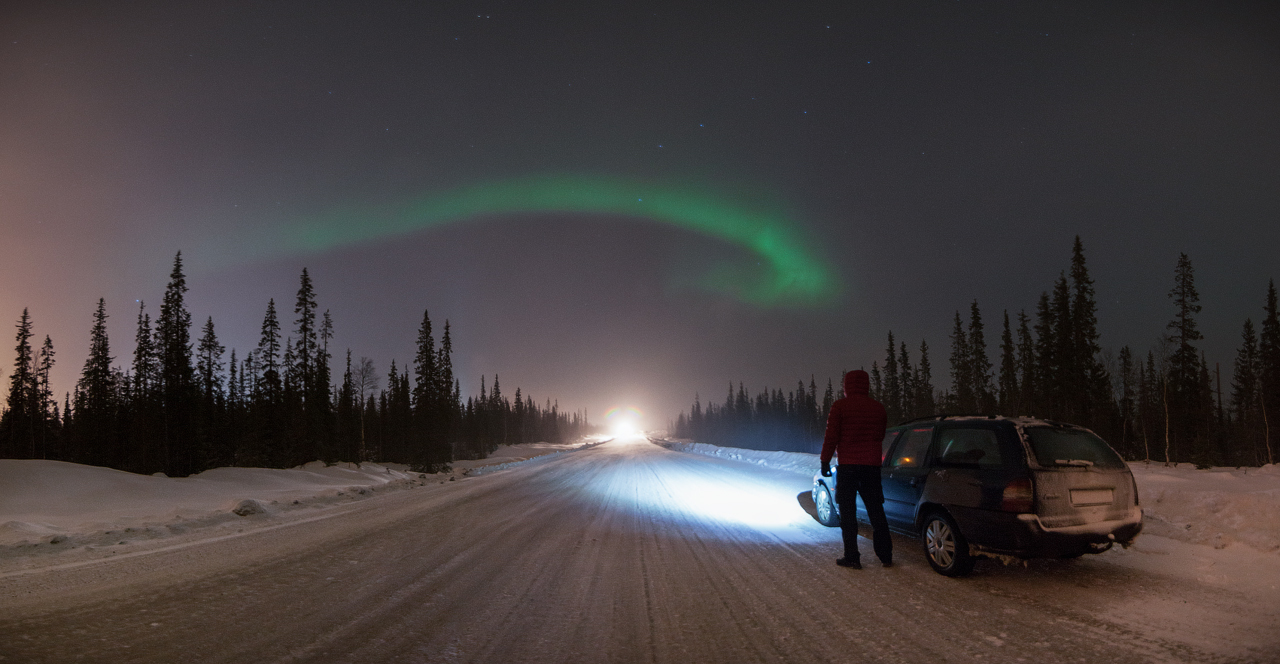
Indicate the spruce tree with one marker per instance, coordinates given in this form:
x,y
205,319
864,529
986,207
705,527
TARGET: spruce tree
x,y
1046,360
1150,405
1063,381
498,411
17,424
519,416
962,398
319,399
1008,383
906,381
1184,381
1206,446
176,375
1128,403
1027,384
1245,395
306,347
1091,380
235,384
145,453
347,418
448,398
979,365
215,448
235,411
1269,370
209,364
46,406
265,445
268,356
828,398
426,400
892,394
924,384
291,445
96,402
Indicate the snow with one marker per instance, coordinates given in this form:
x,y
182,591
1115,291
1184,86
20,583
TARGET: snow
x,y
58,502
42,498
799,462
509,456
1216,506
707,556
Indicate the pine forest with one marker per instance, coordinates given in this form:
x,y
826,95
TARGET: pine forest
x,y
182,406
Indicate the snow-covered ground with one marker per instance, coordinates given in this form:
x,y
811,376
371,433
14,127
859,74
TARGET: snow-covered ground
x,y
1217,507
66,505
620,552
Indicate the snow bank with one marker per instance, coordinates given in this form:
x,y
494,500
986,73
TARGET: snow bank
x,y
796,462
49,501
509,456
41,498
1215,507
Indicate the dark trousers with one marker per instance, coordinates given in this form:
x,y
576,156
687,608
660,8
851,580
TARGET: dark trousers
x,y
852,481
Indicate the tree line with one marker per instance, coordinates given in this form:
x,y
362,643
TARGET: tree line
x,y
771,420
1168,406
179,408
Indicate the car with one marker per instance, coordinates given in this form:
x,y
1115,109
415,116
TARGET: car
x,y
999,487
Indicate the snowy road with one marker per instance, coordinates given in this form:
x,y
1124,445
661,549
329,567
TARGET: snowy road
x,y
625,552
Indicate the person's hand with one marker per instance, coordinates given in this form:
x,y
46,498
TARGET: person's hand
x,y
826,469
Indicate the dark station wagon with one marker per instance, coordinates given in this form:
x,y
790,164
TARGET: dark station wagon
x,y
999,487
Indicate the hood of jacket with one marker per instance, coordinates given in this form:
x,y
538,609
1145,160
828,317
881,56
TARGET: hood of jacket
x,y
857,382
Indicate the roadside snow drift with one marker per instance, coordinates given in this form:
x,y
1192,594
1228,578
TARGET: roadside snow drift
x,y
50,501
1215,506
42,498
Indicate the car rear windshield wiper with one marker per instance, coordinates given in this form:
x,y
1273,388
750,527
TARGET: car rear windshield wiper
x,y
1073,462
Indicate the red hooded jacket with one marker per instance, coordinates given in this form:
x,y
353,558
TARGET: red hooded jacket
x,y
856,424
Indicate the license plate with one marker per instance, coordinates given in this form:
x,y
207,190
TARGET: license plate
x,y
1091,496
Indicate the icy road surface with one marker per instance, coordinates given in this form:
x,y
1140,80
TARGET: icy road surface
x,y
625,552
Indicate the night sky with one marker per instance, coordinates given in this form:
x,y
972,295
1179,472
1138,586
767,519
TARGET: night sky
x,y
911,157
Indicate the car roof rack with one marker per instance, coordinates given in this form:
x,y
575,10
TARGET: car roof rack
x,y
944,416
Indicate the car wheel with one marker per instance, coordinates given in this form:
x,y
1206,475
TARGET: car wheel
x,y
826,507
945,547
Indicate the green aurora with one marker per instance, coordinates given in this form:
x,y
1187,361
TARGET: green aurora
x,y
794,274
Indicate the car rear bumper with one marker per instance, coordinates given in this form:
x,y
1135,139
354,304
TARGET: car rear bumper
x,y
1026,536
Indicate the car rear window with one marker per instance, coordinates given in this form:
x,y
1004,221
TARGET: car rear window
x,y
1071,447
969,447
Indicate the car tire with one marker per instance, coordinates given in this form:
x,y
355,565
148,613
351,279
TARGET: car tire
x,y
825,507
944,546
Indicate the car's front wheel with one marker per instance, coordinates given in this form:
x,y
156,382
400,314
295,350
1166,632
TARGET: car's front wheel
x,y
945,547
826,507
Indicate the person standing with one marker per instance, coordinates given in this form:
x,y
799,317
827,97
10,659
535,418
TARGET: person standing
x,y
855,429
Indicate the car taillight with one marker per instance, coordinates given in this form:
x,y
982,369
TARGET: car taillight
x,y
1017,496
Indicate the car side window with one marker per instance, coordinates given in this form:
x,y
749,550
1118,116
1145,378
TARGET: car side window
x,y
887,443
970,447
911,448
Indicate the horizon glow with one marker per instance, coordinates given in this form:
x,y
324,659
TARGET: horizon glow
x,y
793,273
619,410
624,421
